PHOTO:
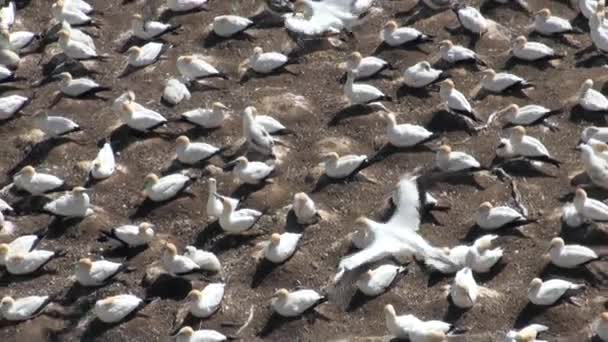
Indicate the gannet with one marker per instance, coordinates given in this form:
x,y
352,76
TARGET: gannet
x,y
176,91
24,308
36,183
270,124
150,29
227,26
455,101
471,19
600,327
529,147
114,309
140,57
76,49
591,99
30,262
305,209
363,235
235,221
481,257
292,304
80,86
401,326
595,167
195,68
17,40
194,152
312,19
345,166
187,334
464,291
376,281
21,245
365,67
80,5
251,172
104,164
257,137
203,304
528,333
11,105
359,93
406,135
126,97
488,217
281,247
7,14
458,54
422,74
598,133
177,264
587,7
420,334
78,35
395,36
214,203
132,235
550,291
207,118
75,203
525,116
599,148
6,75
55,126
448,160
598,30
62,11
186,5
7,228
547,24
140,118
502,81
96,273
532,51
268,62
569,256
163,189
207,261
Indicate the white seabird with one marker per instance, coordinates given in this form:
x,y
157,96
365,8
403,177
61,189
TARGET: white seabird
x,y
595,167
6,75
203,304
126,97
502,81
140,57
547,24
176,91
600,327
227,26
55,126
360,94
7,228
251,172
550,291
401,326
422,74
455,101
528,333
9,58
195,68
292,304
419,334
257,137
532,51
406,135
587,8
186,5
591,99
529,147
96,273
464,291
597,133
140,118
590,208
177,264
79,5
62,11
163,189
365,67
207,118
79,86
305,209
76,49
207,261
376,281
270,124
525,116
7,14
458,54
75,203
194,152
214,203
36,183
104,164
11,105
488,217
471,19
16,40
187,334
341,167
114,309
78,35
453,161
150,29
30,262
281,247
569,256
267,62
235,221
132,235
21,245
395,36
23,308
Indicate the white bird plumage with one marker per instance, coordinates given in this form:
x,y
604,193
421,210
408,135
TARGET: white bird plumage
x,y
75,203
342,166
205,260
163,189
36,183
104,164
114,309
227,26
281,247
235,221
377,280
291,304
550,291
207,117
194,152
251,172
140,57
96,273
569,256
421,74
454,161
11,105
205,303
22,309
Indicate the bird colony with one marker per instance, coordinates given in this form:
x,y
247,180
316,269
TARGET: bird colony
x,y
309,170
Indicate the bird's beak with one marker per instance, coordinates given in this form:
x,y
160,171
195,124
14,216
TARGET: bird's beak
x,y
578,146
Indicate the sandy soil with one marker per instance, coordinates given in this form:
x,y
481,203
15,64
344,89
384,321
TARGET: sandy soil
x,y
249,286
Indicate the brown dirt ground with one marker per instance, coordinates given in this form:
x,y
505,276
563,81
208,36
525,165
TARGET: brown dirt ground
x,y
184,221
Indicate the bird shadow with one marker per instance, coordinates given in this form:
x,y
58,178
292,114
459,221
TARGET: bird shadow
x,y
580,273
38,152
388,150
578,115
593,61
459,178
453,313
147,205
494,271
123,136
541,65
292,225
30,204
512,92
125,252
520,167
262,270
528,313
509,229
60,225
130,42
213,40
276,321
413,47
7,279
96,328
250,74
245,190
168,14
349,112
231,241
590,234
405,90
460,31
76,291
325,181
358,300
61,63
415,14
210,233
166,286
443,121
